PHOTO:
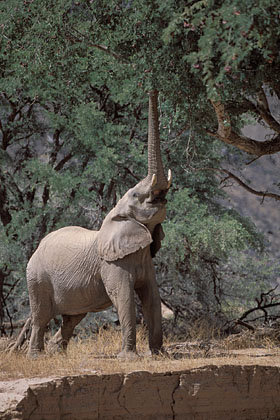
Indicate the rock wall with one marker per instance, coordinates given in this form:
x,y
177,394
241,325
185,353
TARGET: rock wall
x,y
208,393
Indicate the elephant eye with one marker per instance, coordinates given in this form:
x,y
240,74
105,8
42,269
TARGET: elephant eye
x,y
135,195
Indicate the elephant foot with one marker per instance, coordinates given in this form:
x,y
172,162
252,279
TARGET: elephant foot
x,y
156,352
35,354
150,354
56,347
128,355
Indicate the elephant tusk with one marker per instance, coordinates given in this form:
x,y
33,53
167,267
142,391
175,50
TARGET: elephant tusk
x,y
169,179
154,181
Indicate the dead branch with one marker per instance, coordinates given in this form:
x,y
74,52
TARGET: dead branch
x,y
23,336
258,308
264,303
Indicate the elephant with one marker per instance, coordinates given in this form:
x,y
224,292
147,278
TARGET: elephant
x,y
75,270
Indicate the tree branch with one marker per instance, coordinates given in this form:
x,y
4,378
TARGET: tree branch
x,y
56,148
109,52
265,302
227,135
262,194
60,164
258,308
103,48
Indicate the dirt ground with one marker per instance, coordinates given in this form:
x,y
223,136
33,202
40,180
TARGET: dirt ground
x,y
193,382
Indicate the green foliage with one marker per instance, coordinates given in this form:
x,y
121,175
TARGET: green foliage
x,y
203,264
73,120
233,44
246,276
193,229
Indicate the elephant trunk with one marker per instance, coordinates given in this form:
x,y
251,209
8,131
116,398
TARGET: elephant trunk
x,y
155,166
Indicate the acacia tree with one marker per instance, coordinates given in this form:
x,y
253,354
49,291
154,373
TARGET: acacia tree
x,y
232,47
73,112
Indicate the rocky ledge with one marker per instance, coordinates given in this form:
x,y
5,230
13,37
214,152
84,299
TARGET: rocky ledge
x,y
207,393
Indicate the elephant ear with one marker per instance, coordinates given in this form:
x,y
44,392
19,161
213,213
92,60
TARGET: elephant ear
x,y
158,236
121,236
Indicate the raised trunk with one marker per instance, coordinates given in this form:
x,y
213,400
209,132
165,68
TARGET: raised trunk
x,y
155,166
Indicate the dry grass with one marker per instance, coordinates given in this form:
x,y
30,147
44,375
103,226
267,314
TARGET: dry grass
x,y
247,339
94,355
98,355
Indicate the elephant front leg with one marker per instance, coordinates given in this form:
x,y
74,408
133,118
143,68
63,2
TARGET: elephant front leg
x,y
127,318
119,286
151,305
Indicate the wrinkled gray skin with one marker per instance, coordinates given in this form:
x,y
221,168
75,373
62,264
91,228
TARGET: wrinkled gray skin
x,y
75,270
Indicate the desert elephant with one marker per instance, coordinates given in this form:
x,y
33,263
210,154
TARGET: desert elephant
x,y
76,270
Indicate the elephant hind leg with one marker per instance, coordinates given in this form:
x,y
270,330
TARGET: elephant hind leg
x,y
36,344
41,310
63,335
